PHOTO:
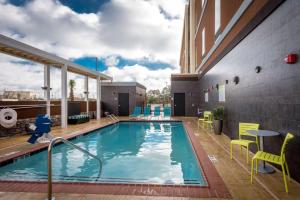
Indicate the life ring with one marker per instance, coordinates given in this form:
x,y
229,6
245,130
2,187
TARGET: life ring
x,y
8,117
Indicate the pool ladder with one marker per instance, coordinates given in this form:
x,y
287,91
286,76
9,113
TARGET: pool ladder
x,y
51,144
113,117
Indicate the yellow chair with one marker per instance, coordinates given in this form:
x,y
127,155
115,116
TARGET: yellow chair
x,y
206,116
272,158
209,120
243,127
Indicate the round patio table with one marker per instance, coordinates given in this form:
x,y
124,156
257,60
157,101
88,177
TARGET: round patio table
x,y
263,133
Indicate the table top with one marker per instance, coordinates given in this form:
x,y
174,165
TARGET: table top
x,y
263,133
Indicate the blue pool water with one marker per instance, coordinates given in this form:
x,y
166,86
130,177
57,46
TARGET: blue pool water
x,y
132,152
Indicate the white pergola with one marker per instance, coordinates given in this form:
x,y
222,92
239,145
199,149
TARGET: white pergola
x,y
18,49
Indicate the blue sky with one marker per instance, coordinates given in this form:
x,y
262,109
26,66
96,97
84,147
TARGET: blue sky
x,y
129,37
79,6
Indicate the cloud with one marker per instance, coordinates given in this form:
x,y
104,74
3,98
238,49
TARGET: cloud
x,y
16,74
132,29
111,61
152,79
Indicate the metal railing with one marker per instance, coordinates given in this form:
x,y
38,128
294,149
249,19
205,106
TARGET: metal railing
x,y
53,141
113,117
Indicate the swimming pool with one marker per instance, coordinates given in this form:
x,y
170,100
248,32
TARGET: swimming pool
x,y
131,152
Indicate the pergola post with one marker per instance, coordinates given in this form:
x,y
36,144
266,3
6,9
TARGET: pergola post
x,y
47,88
64,97
86,86
98,98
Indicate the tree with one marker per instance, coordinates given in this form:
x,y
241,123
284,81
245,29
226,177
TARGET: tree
x,y
157,97
166,94
72,85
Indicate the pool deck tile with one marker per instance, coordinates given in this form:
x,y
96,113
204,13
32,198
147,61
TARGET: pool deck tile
x,y
231,171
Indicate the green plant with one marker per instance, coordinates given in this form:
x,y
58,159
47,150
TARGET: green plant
x,y
72,84
218,113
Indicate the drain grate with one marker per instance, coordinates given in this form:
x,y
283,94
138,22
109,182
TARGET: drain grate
x,y
212,158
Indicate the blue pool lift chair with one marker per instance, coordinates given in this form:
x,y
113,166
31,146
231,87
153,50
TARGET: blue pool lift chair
x,y
42,125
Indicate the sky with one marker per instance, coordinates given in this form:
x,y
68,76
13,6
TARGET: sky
x,y
134,40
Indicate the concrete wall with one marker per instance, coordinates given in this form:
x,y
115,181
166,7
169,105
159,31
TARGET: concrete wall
x,y
109,95
192,95
271,97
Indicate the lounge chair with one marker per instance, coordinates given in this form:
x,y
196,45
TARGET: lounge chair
x,y
136,112
157,111
167,112
147,112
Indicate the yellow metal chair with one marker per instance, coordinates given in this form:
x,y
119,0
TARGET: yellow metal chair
x,y
206,116
209,120
243,127
272,158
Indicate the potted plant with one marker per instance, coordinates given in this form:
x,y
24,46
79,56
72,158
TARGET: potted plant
x,y
218,115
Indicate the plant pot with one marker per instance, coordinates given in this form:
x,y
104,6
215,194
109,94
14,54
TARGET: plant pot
x,y
217,125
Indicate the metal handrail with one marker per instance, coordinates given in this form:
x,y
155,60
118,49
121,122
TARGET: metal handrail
x,y
111,117
51,144
114,116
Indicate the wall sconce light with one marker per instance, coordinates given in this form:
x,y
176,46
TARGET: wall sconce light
x,y
236,80
217,86
45,88
226,81
257,69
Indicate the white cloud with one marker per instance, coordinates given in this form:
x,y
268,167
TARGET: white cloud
x,y
152,79
111,61
19,75
130,28
133,29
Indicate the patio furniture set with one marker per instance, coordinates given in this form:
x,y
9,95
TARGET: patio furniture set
x,y
249,133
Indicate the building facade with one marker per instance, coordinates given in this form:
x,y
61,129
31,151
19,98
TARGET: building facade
x,y
120,98
240,49
19,95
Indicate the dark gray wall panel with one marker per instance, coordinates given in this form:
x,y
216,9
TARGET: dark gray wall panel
x,y
271,97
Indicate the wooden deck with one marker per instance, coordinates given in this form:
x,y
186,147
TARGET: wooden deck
x,y
235,173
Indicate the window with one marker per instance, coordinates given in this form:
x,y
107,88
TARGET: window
x,y
217,16
203,41
221,93
206,96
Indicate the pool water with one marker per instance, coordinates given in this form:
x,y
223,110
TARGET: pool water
x,y
131,152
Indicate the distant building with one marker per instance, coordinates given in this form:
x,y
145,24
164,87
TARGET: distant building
x,y
120,98
19,95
